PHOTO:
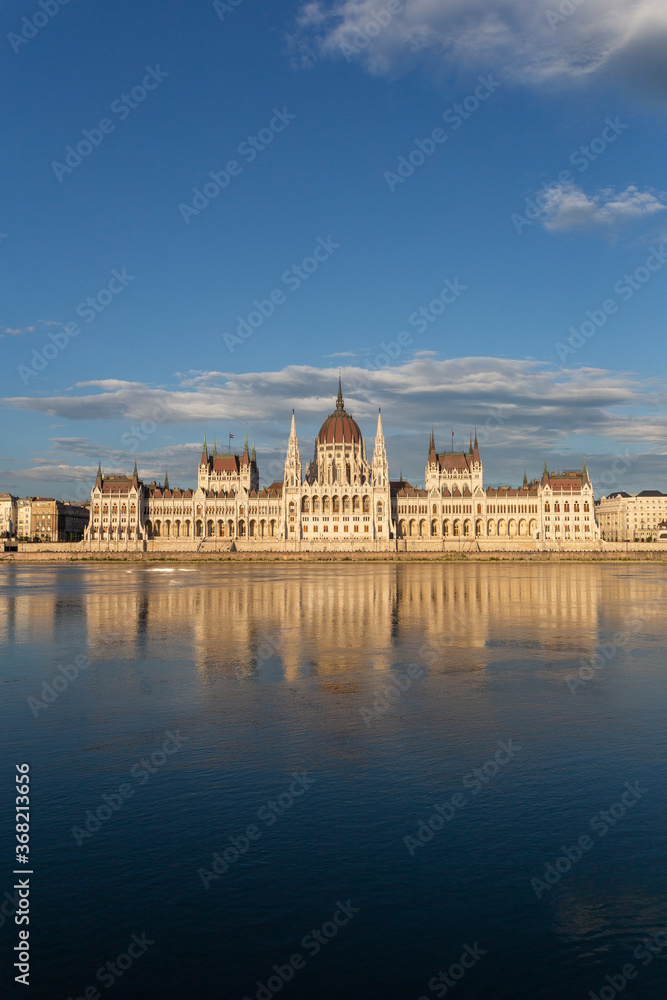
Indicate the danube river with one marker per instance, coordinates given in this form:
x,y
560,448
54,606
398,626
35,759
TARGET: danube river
x,y
359,781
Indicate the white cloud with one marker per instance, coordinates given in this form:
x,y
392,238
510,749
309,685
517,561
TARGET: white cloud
x,y
528,40
524,409
566,207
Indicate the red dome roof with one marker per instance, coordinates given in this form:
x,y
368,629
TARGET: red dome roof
x,y
339,427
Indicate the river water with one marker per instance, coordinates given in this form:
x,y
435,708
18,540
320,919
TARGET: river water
x,y
354,781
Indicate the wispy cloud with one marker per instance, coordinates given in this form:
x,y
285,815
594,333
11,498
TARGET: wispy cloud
x,y
623,39
20,330
567,208
537,409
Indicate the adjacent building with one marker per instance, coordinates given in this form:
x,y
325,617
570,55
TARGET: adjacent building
x,y
633,517
8,514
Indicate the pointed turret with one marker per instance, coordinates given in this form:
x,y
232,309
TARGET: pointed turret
x,y
584,472
204,453
166,481
432,456
253,456
545,473
98,479
135,476
525,478
292,473
475,451
380,465
339,401
245,458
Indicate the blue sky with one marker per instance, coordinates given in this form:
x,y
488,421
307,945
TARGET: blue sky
x,y
494,164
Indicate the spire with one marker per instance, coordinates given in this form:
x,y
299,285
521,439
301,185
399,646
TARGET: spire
x,y
475,454
98,478
166,481
339,401
135,474
525,478
292,473
545,473
380,464
204,453
584,471
253,455
470,451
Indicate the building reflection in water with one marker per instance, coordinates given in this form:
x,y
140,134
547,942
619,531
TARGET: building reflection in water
x,y
285,622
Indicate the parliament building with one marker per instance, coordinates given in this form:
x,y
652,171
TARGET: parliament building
x,y
341,501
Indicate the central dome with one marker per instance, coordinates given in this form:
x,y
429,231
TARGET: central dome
x,y
339,427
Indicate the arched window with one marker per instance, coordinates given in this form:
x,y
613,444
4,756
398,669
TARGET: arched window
x,y
547,508
586,508
435,508
367,505
557,508
379,508
336,505
305,505
292,507
566,508
346,505
576,508
316,505
479,508
356,504
326,505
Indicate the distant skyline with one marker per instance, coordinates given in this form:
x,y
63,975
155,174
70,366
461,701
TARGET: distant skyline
x,y
209,209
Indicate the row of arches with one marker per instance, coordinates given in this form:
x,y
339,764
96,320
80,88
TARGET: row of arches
x,y
263,528
466,528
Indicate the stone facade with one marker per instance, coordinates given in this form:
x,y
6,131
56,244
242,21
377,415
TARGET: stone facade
x,y
341,501
8,515
632,517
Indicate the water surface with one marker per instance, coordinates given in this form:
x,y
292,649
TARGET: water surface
x,y
387,691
